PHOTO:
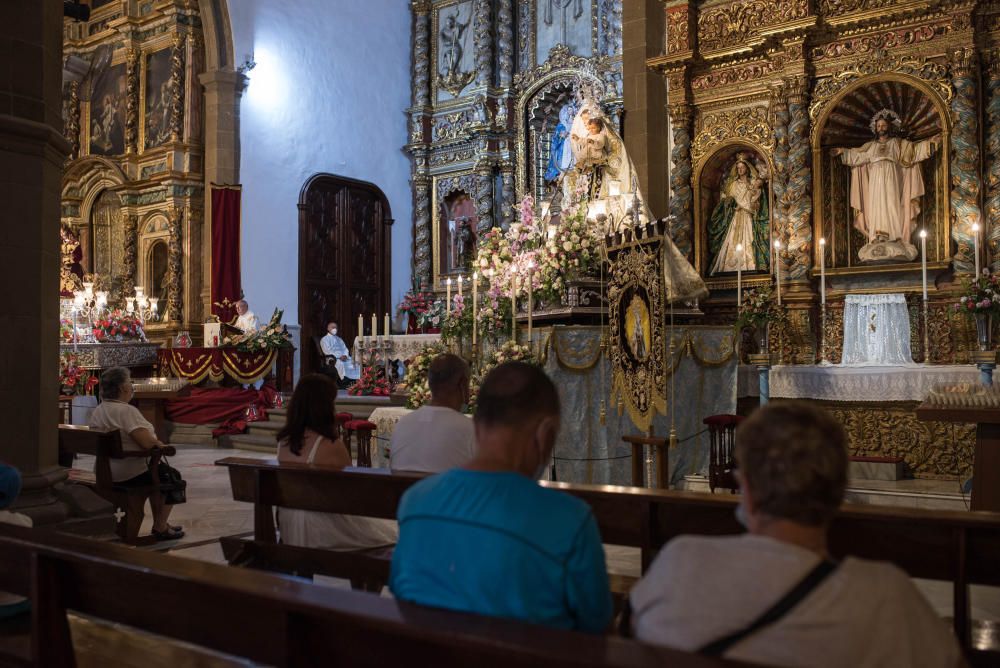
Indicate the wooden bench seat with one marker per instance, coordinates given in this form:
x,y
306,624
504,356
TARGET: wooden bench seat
x,y
959,547
275,620
129,502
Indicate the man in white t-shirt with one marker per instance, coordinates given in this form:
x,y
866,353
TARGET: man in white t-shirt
x,y
703,594
437,436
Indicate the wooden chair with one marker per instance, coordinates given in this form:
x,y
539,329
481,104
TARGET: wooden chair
x,y
327,363
364,429
130,501
721,463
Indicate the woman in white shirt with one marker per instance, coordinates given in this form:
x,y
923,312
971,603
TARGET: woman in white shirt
x,y
137,434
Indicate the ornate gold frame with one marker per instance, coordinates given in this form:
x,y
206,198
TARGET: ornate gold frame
x,y
820,112
436,272
435,72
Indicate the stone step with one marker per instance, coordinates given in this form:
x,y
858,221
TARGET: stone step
x,y
277,413
266,426
253,442
191,434
876,468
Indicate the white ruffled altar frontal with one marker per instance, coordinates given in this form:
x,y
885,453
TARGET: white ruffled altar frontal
x,y
911,382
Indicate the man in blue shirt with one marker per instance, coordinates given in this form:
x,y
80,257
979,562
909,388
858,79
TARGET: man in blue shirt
x,y
486,538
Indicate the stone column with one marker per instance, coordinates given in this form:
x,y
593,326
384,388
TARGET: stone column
x,y
964,157
131,234
177,89
132,101
482,23
484,198
421,53
422,268
798,189
72,129
993,158
680,179
505,41
223,90
646,143
175,264
779,180
525,43
32,152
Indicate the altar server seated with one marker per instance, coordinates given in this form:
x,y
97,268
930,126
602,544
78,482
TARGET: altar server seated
x,y
709,594
334,346
487,539
437,436
246,321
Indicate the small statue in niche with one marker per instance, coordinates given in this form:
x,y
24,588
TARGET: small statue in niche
x,y
481,113
500,120
886,188
466,243
452,45
740,219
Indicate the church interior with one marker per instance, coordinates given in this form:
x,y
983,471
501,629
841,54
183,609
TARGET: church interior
x,y
719,280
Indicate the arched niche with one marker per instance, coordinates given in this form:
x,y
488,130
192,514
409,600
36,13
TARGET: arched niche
x,y
154,240
846,123
714,216
458,238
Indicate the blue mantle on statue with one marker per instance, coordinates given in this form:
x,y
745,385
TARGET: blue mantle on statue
x,y
589,452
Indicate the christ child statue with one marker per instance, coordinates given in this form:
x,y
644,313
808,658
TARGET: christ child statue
x,y
594,150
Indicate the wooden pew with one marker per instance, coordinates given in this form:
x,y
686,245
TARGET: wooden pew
x,y
960,547
105,446
273,619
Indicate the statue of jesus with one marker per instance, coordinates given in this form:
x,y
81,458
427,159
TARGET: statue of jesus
x,y
886,187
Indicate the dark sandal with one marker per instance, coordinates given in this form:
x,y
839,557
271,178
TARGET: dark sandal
x,y
169,534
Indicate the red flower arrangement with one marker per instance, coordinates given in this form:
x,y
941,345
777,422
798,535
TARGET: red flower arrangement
x,y
371,383
117,326
74,380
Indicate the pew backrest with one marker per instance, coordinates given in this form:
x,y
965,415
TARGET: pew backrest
x,y
101,444
277,620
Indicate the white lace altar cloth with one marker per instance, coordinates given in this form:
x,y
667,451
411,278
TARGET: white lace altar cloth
x,y
876,331
865,384
406,346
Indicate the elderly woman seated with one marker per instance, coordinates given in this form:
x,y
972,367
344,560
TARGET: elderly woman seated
x,y
115,412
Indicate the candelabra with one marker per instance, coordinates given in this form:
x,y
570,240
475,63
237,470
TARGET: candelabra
x,y
145,308
88,304
375,347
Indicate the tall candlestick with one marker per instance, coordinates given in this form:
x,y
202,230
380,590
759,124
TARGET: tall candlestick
x,y
448,299
822,271
739,279
531,293
975,236
475,306
459,285
513,307
777,268
374,326
386,328
361,328
923,260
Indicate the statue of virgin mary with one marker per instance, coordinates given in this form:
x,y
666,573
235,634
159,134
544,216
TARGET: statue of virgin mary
x,y
603,172
738,228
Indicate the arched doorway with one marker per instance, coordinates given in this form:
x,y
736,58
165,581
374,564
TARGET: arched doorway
x,y
344,253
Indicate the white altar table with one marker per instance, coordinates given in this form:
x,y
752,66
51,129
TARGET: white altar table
x,y
855,383
406,346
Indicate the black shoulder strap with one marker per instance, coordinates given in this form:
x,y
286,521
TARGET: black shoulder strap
x,y
775,612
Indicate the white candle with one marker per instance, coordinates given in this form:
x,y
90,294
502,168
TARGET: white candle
x,y
739,279
975,236
386,328
822,271
923,260
475,305
531,293
374,326
460,285
361,328
448,298
513,305
777,268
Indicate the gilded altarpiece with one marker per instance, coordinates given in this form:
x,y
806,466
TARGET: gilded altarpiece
x,y
133,188
813,95
490,82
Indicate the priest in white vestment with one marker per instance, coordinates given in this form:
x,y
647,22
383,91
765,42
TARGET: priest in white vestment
x,y
334,346
246,321
886,182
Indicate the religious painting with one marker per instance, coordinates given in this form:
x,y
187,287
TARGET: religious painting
x,y
735,212
567,22
637,334
107,112
157,104
455,67
881,176
458,238
157,279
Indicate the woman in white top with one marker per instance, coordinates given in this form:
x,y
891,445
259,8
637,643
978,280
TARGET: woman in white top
x,y
308,437
137,434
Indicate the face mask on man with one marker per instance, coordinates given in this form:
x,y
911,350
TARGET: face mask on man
x,y
333,330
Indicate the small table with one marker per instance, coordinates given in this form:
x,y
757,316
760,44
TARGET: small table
x,y
151,402
986,460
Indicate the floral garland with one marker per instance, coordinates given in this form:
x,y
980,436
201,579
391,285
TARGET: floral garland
x,y
117,326
273,335
981,295
508,352
73,379
760,307
419,392
423,306
371,383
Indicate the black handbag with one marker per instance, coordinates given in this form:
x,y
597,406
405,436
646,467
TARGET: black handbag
x,y
172,486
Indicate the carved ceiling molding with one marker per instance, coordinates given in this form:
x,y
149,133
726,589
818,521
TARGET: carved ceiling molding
x,y
742,73
748,124
742,24
935,75
446,185
865,44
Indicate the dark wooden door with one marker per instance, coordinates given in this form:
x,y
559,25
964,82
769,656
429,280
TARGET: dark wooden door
x,y
344,252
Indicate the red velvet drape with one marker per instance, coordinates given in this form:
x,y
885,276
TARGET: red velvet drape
x,y
225,250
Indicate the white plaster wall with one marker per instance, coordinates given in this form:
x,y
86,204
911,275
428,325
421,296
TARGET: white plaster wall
x,y
327,95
